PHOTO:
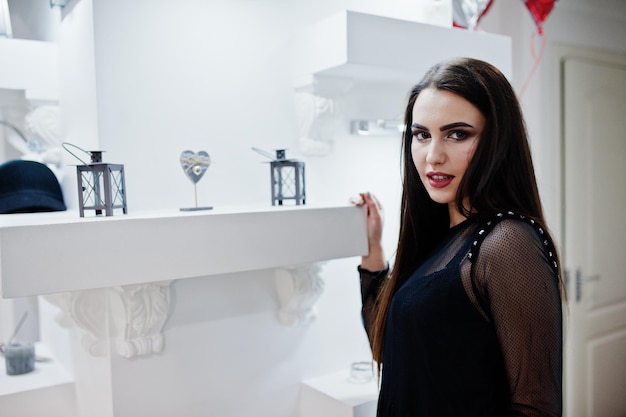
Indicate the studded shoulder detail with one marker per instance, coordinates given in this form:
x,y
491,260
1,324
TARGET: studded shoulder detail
x,y
487,227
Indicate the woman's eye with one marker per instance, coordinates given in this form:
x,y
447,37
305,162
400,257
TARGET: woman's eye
x,y
458,135
420,135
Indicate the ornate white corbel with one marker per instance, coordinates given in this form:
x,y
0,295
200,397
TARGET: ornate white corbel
x,y
299,288
87,309
138,313
141,318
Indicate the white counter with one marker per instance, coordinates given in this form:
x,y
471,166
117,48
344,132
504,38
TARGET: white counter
x,y
131,261
44,253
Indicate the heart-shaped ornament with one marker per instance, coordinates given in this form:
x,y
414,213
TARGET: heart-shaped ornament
x,y
540,9
195,164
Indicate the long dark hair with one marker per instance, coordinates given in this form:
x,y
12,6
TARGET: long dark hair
x,y
500,176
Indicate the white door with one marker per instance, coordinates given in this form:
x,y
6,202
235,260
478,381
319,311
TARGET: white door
x,y
594,248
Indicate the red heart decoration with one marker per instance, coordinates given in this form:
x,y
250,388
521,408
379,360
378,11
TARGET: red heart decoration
x,y
540,9
467,13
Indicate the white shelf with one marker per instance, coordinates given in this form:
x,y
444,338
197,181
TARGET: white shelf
x,y
30,66
49,384
334,395
42,253
47,374
359,46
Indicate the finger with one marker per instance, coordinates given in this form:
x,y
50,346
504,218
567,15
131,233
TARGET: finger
x,y
357,201
367,200
376,202
373,205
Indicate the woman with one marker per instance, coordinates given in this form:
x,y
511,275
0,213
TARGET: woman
x,y
468,322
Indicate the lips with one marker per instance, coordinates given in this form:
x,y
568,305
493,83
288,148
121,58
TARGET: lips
x,y
439,179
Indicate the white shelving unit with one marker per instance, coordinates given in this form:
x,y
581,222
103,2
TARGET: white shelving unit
x,y
358,46
29,75
30,67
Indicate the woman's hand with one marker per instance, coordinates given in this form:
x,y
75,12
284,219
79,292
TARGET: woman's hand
x,y
375,259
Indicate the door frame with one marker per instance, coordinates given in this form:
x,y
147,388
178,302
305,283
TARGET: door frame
x,y
559,52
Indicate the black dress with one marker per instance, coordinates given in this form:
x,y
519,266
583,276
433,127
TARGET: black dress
x,y
485,342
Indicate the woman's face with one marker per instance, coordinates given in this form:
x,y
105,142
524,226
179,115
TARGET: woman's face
x,y
445,129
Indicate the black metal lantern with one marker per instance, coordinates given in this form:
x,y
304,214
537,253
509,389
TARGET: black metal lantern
x,y
287,178
101,186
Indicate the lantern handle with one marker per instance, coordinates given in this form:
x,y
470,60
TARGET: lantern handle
x,y
73,154
264,153
278,157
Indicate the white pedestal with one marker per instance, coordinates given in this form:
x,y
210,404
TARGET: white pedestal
x,y
49,384
335,396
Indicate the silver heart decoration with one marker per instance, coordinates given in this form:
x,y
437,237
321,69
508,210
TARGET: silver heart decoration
x,y
195,164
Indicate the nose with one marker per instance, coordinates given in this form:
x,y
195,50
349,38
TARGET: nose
x,y
436,154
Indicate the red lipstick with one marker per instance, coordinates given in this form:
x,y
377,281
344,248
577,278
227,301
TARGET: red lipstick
x,y
439,179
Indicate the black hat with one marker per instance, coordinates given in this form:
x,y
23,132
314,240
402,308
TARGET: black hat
x,y
28,187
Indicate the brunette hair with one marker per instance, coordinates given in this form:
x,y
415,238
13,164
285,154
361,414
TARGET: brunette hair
x,y
500,175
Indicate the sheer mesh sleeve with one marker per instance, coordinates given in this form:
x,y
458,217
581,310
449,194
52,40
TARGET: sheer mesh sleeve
x,y
371,282
515,277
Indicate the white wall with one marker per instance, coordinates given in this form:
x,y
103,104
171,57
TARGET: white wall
x,y
77,92
202,75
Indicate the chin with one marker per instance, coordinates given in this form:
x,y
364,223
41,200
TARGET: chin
x,y
441,198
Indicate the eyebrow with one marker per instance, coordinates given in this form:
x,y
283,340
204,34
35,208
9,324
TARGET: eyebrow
x,y
444,127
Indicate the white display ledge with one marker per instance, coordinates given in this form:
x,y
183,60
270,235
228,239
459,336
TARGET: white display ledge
x,y
50,384
337,395
358,46
30,66
47,374
134,258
